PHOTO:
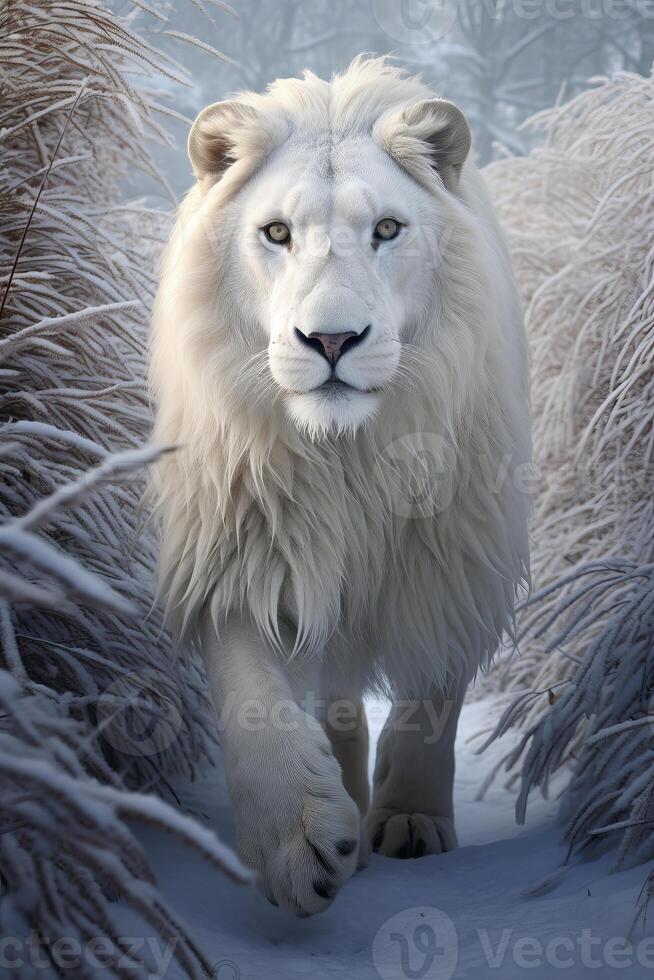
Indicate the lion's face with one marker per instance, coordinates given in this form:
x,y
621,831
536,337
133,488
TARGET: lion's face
x,y
335,249
327,216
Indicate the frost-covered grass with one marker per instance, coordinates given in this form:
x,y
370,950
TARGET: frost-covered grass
x,y
93,699
580,213
68,853
76,281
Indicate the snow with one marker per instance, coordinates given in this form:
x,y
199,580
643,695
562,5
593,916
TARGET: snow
x,y
457,915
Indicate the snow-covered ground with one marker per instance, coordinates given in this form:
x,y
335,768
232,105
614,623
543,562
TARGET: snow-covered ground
x,y
462,914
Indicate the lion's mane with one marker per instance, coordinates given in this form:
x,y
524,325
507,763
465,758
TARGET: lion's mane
x,y
260,518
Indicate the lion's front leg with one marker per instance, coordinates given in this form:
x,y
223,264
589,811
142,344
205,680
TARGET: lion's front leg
x,y
295,822
412,811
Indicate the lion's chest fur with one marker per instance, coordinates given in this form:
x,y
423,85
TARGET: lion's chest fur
x,y
379,590
329,539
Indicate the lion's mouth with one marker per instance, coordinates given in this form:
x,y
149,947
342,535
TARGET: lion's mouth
x,y
335,388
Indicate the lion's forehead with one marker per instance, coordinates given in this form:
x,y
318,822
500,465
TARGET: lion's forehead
x,y
347,183
349,201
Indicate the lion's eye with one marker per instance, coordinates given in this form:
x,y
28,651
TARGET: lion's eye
x,y
278,233
386,230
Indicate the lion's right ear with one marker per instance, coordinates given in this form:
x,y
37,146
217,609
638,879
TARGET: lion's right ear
x,y
427,137
217,136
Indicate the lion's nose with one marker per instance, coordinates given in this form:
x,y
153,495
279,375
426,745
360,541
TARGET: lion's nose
x,y
331,345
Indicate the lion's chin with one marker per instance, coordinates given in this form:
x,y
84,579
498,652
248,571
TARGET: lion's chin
x,y
333,409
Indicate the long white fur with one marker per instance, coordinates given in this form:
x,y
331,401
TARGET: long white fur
x,y
284,509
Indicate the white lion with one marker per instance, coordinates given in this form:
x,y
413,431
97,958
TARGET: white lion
x,y
339,356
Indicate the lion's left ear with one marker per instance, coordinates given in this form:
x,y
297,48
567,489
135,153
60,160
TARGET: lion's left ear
x,y
213,142
434,132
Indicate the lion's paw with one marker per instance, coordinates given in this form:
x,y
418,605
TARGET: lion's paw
x,y
299,829
409,835
304,873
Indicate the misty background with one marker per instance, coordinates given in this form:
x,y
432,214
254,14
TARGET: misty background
x,y
500,61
